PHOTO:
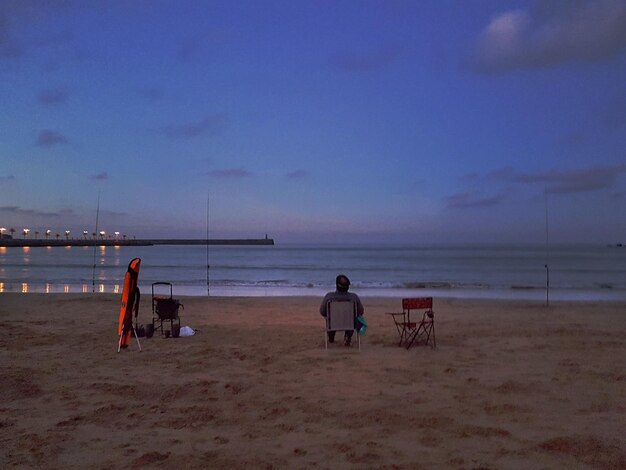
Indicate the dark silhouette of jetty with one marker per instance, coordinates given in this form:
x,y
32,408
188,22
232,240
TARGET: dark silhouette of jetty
x,y
12,242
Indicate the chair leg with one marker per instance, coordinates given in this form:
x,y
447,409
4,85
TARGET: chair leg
x,y
424,330
410,339
428,329
413,336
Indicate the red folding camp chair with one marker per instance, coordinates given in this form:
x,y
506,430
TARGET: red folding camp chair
x,y
413,332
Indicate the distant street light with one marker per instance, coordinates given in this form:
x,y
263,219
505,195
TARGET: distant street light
x,y
102,234
117,234
85,233
25,231
67,234
2,229
48,232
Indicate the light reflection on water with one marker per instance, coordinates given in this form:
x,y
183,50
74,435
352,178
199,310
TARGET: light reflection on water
x,y
48,288
516,272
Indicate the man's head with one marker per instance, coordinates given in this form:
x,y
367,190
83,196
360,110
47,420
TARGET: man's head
x,y
343,283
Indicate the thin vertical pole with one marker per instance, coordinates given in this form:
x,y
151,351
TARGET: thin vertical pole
x,y
207,247
547,265
93,274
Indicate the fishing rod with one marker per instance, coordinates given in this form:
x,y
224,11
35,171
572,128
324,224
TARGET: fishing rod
x,y
93,274
547,265
207,246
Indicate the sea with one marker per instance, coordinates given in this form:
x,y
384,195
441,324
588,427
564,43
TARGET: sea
x,y
567,272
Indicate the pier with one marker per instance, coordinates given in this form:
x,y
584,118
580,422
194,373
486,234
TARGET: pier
x,y
12,242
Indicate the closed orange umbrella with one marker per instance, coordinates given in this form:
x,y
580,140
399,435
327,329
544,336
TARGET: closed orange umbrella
x,y
130,302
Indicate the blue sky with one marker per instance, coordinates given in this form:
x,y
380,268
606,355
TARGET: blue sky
x,y
316,121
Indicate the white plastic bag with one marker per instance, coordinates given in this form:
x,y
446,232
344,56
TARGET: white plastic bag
x,y
187,331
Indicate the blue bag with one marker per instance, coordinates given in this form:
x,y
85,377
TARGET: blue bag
x,y
361,324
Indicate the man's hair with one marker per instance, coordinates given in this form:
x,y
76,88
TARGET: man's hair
x,y
343,283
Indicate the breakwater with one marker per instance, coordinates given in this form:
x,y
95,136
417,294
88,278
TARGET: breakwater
x,y
137,242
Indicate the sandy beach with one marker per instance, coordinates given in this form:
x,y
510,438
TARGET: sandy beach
x,y
512,384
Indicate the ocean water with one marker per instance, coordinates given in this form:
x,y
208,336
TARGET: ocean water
x,y
575,272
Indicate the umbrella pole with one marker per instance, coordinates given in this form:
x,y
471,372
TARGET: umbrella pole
x,y
119,343
137,338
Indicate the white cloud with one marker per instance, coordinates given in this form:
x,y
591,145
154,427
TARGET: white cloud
x,y
582,31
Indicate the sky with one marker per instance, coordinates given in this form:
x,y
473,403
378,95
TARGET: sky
x,y
467,121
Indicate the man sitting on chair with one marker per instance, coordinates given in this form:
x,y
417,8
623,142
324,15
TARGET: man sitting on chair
x,y
343,284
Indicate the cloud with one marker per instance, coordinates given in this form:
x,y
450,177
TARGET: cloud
x,y
466,200
7,179
15,15
9,47
565,181
110,213
506,179
230,173
151,94
210,125
297,174
588,31
48,138
555,181
17,210
53,97
104,176
372,60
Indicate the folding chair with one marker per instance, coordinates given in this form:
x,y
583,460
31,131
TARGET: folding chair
x,y
424,332
341,316
412,332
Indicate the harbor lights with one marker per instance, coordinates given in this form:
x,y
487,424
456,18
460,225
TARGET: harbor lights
x,y
48,232
117,235
2,229
25,232
85,234
102,234
67,234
